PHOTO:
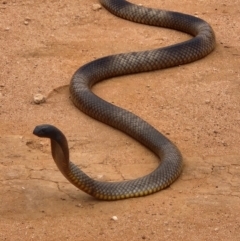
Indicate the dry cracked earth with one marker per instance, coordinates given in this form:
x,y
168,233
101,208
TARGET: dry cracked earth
x,y
195,105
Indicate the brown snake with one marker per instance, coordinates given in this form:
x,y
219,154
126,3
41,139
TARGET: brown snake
x,y
202,43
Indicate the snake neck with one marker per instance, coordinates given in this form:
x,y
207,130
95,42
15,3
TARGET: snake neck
x,y
60,154
72,173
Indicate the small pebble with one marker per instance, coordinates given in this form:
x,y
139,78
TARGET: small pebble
x,y
114,218
39,98
79,205
96,7
100,176
27,20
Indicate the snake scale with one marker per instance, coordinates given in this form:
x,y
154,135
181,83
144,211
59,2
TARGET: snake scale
x,y
202,43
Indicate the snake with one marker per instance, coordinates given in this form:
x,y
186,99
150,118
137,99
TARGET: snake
x,y
170,166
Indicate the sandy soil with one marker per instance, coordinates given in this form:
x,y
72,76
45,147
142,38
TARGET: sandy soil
x,y
196,106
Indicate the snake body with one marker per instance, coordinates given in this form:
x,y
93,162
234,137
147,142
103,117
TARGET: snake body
x,y
202,43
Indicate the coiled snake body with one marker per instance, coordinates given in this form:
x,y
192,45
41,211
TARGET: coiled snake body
x,y
85,77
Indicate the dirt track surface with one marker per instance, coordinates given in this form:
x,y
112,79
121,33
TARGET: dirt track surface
x,y
196,106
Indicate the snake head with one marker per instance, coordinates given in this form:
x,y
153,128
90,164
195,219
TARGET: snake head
x,y
48,131
59,144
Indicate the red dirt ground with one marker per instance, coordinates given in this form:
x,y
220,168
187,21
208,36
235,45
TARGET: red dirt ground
x,y
196,106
